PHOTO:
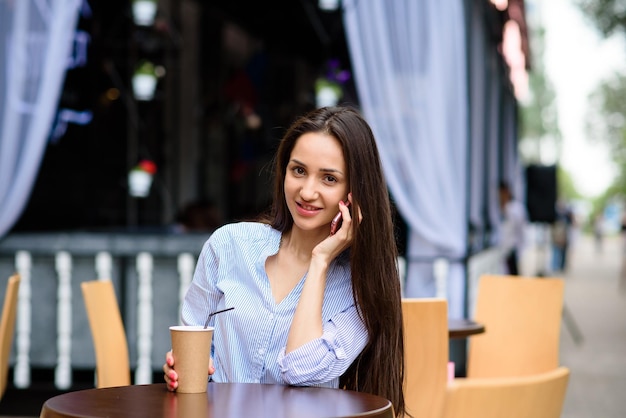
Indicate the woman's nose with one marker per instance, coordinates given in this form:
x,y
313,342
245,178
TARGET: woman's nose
x,y
308,191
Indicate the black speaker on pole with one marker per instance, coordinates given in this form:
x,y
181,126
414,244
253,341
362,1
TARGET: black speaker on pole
x,y
541,193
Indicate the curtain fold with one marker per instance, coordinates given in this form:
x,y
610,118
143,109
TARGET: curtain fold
x,y
409,60
478,80
36,38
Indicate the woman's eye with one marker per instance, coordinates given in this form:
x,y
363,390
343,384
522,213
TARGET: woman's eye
x,y
298,170
331,179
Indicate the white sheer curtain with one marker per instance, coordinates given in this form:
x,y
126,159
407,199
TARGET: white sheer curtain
x,y
409,60
36,39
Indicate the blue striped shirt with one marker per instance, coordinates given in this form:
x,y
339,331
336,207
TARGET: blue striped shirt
x,y
249,341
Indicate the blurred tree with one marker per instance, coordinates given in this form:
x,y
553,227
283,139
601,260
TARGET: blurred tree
x,y
566,186
609,16
538,113
606,119
539,122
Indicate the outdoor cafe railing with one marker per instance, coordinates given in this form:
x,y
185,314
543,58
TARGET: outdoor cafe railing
x,y
151,273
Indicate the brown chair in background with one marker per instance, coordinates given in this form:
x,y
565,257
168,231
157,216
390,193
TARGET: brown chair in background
x,y
109,336
522,318
7,328
426,355
535,396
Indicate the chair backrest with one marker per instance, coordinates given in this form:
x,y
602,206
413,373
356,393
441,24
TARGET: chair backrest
x,y
108,333
536,396
426,355
522,318
7,328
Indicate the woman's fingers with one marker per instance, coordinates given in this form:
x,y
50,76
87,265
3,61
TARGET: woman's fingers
x,y
171,379
211,367
169,375
360,217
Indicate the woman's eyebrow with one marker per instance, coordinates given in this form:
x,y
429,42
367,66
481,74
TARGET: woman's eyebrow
x,y
323,170
330,170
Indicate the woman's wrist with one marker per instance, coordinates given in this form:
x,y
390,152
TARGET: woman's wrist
x,y
319,263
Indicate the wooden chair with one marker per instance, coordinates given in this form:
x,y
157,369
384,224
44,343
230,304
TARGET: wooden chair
x,y
7,328
426,355
535,396
108,333
522,318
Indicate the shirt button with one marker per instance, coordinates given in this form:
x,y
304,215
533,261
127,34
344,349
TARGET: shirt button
x,y
261,351
271,317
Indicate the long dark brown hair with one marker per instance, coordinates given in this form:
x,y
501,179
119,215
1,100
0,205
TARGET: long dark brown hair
x,y
376,286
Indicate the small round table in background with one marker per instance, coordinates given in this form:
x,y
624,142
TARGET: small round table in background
x,y
463,328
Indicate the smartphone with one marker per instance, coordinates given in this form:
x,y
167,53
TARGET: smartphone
x,y
336,222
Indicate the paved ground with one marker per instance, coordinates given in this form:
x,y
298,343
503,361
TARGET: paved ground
x,y
596,309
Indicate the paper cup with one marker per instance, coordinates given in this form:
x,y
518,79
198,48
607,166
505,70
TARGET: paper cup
x,y
191,348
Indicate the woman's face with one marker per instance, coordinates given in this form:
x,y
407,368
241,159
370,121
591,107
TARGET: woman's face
x,y
316,180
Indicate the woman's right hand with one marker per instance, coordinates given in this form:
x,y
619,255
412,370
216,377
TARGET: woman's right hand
x,y
170,375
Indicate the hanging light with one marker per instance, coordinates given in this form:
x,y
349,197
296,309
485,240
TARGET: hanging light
x,y
329,87
327,95
140,178
144,12
328,5
144,81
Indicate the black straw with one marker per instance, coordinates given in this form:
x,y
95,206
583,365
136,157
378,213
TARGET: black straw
x,y
206,324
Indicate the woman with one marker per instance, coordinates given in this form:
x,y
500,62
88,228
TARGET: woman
x,y
311,308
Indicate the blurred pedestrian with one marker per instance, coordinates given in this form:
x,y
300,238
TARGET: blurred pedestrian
x,y
598,231
513,227
561,231
622,281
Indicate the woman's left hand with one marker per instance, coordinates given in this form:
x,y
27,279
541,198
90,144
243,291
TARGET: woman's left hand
x,y
334,244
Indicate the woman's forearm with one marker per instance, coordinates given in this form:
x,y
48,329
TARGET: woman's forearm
x,y
307,320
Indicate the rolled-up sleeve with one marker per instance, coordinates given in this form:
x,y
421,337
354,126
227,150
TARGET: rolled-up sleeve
x,y
328,357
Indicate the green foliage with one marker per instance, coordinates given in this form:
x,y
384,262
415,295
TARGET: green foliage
x,y
606,119
566,187
609,16
146,67
600,202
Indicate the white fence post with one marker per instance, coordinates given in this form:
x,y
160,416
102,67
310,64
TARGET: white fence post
x,y
21,372
441,267
104,266
143,374
63,371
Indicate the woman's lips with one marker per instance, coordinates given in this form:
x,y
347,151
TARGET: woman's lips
x,y
306,210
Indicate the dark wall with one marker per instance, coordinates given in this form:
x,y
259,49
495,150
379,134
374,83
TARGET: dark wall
x,y
82,182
